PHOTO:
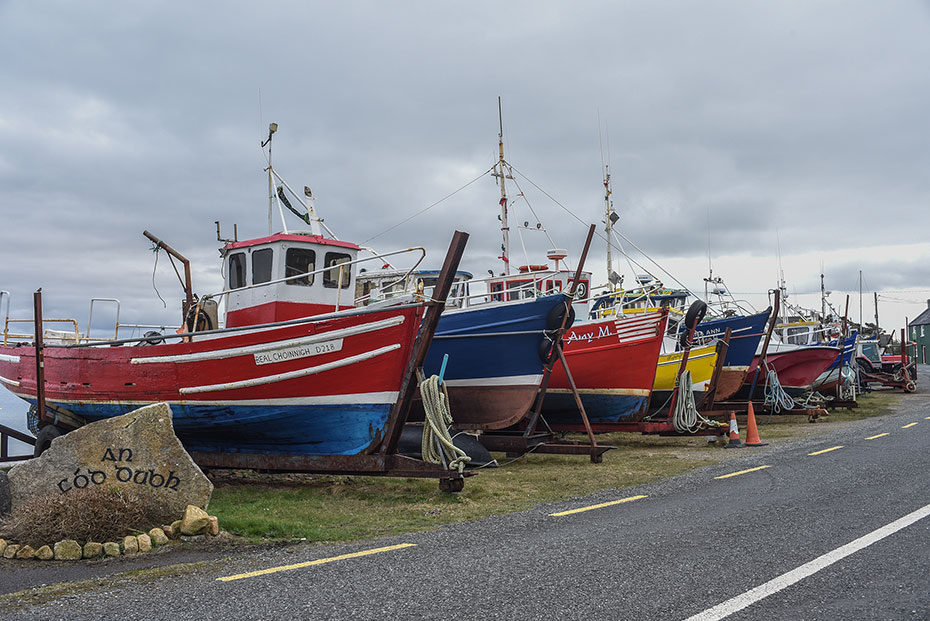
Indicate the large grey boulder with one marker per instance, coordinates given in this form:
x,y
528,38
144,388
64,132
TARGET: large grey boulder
x,y
137,451
6,499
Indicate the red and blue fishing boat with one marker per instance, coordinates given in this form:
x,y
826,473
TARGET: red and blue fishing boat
x,y
317,385
295,368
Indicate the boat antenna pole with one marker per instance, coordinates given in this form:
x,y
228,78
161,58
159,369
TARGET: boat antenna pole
x,y
610,216
861,319
823,297
500,170
609,221
272,128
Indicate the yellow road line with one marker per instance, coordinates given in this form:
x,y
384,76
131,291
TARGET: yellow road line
x,y
832,448
321,561
603,504
736,474
927,417
909,425
881,435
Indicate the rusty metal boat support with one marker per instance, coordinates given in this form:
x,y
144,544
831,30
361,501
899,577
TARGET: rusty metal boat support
x,y
527,438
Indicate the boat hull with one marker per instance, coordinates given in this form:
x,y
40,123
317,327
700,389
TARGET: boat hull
x,y
797,368
613,363
494,368
314,387
701,363
745,334
834,375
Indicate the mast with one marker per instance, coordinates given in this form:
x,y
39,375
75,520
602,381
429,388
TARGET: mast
x,y
823,298
860,301
877,330
501,169
272,128
608,220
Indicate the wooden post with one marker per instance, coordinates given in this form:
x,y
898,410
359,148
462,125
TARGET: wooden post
x,y
401,410
547,371
722,347
40,355
763,358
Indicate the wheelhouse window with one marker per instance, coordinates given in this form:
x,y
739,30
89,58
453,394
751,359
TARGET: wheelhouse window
x,y
797,336
299,261
261,265
237,270
519,289
334,276
495,288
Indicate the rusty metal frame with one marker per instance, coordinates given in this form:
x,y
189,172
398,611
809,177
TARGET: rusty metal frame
x,y
188,289
5,434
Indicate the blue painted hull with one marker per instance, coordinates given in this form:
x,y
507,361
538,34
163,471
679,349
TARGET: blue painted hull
x,y
849,346
493,340
494,369
745,335
600,408
317,429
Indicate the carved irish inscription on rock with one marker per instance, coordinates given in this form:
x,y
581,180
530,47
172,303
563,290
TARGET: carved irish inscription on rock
x,y
136,451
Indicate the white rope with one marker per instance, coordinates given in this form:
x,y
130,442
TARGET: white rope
x,y
436,443
775,395
685,416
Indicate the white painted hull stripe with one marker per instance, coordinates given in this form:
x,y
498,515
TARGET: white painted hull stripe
x,y
622,392
6,358
233,352
513,380
9,381
281,377
349,399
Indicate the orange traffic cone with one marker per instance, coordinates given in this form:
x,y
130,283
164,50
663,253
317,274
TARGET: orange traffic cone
x,y
752,432
734,433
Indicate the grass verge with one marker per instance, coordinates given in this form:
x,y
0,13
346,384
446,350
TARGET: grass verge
x,y
335,509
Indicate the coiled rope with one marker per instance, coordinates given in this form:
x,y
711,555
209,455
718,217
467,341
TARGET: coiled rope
x,y
436,443
685,416
775,395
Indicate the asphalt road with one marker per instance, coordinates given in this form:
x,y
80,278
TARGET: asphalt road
x,y
694,542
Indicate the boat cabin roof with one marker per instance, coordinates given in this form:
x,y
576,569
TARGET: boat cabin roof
x,y
299,236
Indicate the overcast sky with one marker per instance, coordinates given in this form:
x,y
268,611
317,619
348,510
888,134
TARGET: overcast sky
x,y
743,127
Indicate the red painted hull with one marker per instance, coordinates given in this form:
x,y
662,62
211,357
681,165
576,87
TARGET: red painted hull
x,y
613,363
317,387
796,368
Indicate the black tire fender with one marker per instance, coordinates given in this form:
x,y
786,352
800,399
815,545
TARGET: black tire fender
x,y
554,319
547,353
44,439
695,314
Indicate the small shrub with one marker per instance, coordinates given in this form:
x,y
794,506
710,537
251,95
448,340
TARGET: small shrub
x,y
94,514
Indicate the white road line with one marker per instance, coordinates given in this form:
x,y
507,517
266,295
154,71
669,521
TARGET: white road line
x,y
785,580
